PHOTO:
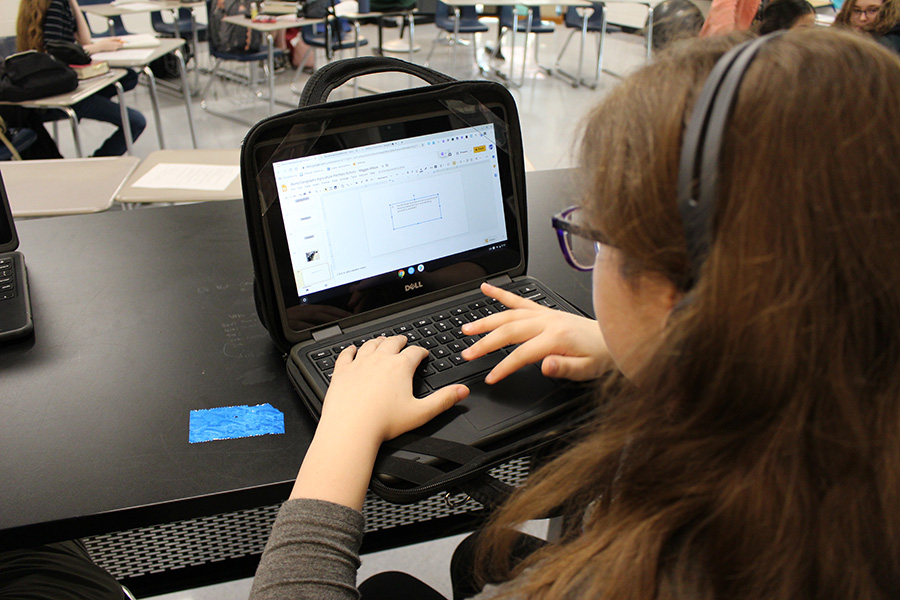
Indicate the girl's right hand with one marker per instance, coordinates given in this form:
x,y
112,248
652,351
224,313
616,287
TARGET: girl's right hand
x,y
566,345
104,45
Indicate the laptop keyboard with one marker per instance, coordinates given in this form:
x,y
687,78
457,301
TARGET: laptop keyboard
x,y
7,278
441,334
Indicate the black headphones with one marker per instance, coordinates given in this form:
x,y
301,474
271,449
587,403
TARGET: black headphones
x,y
698,169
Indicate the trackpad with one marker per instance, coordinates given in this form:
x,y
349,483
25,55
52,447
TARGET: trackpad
x,y
519,397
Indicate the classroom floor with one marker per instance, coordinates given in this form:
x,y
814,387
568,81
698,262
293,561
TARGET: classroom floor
x,y
551,112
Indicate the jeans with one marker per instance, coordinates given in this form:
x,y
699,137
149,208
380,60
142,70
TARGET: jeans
x,y
101,107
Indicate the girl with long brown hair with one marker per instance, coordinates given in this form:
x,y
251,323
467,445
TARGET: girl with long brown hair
x,y
754,451
40,21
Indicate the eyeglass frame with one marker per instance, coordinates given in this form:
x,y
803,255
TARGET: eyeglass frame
x,y
564,226
871,12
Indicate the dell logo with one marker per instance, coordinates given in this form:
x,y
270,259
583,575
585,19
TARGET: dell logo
x,y
412,286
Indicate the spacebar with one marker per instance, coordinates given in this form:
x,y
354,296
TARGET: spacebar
x,y
464,370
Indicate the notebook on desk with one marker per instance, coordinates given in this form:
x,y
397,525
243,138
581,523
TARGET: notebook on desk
x,y
15,302
385,221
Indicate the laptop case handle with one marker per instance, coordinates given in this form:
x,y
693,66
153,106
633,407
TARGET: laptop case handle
x,y
336,74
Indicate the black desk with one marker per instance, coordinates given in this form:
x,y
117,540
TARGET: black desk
x,y
140,317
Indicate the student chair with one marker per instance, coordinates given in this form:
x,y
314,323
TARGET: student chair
x,y
596,23
446,22
252,59
181,27
530,23
330,36
115,24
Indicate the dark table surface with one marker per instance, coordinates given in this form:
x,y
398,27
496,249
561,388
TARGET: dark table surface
x,y
140,317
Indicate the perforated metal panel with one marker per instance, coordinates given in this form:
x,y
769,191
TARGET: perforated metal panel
x,y
194,542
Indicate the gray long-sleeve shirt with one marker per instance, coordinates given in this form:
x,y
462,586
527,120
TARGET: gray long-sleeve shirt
x,y
313,553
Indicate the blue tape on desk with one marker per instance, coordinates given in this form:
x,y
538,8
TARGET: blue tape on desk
x,y
231,422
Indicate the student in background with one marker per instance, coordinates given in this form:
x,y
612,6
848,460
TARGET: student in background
x,y
752,452
878,18
44,20
726,16
784,14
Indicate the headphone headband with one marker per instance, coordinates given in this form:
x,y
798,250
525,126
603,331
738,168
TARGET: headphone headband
x,y
698,169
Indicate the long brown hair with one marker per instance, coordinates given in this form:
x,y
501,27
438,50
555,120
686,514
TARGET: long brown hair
x,y
888,16
757,455
30,25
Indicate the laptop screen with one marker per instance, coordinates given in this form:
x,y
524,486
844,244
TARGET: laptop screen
x,y
368,215
392,207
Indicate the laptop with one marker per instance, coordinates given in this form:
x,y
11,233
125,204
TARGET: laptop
x,y
385,221
15,303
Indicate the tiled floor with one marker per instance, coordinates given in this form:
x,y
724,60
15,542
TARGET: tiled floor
x,y
550,111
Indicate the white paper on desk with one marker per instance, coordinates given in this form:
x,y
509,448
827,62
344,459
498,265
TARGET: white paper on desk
x,y
213,178
137,54
138,6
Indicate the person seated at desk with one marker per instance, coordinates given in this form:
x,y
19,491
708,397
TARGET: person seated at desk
x,y
44,20
877,18
747,444
784,14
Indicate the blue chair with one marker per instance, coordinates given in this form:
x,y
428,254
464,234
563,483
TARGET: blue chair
x,y
530,23
19,139
181,27
596,23
115,24
331,37
445,21
249,58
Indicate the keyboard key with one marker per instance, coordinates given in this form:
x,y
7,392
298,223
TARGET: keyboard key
x,y
477,305
319,354
443,325
464,370
440,352
426,331
441,365
428,343
325,364
444,338
457,346
422,322
340,347
403,328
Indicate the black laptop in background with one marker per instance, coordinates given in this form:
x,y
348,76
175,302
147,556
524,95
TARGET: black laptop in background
x,y
15,304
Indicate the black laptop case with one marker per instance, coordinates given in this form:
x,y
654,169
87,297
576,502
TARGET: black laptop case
x,y
444,455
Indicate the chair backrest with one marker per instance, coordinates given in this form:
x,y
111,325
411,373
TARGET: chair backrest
x,y
7,45
573,20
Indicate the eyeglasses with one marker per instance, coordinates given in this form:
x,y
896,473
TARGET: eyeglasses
x,y
870,12
579,243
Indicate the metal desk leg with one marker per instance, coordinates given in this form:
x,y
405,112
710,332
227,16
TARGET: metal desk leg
x,y
126,124
455,40
73,121
182,68
194,39
271,59
154,101
600,50
584,26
